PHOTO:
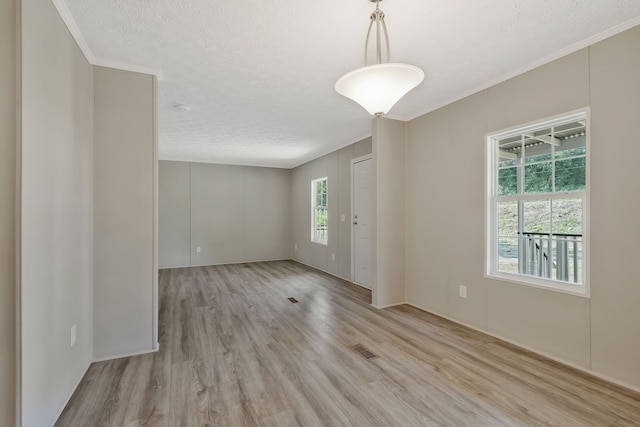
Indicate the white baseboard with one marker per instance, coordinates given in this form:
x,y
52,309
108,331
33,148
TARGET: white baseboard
x,y
391,305
73,390
325,271
120,356
580,368
224,263
357,284
84,372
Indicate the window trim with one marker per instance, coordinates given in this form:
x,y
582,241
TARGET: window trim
x,y
491,217
314,207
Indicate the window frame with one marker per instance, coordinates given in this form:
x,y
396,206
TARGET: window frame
x,y
492,200
314,210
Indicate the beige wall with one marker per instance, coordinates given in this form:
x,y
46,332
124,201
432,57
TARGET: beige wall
x,y
615,187
56,213
124,209
7,210
174,214
388,216
445,211
233,213
336,167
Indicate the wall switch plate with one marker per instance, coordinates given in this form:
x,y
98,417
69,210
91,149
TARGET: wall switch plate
x,y
198,249
333,257
463,292
73,335
342,218
295,247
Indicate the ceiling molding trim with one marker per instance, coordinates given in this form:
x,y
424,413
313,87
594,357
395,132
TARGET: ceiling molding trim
x,y
73,28
266,164
249,165
331,150
590,41
129,67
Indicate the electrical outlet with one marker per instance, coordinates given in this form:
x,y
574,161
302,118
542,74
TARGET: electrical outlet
x,y
463,292
73,335
198,249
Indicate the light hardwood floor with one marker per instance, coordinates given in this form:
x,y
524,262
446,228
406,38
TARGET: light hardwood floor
x,y
236,352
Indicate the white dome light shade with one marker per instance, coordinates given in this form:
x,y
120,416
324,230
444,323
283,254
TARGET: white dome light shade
x,y
378,87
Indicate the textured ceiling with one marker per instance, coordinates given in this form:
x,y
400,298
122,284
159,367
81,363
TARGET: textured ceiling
x,y
258,76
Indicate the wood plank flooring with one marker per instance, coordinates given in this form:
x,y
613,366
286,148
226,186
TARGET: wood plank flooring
x,y
236,352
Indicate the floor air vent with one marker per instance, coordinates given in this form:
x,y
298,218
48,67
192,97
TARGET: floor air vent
x,y
293,300
362,351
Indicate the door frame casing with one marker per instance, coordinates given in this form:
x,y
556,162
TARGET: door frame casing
x,y
353,243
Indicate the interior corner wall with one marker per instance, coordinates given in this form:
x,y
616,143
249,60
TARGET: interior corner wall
x,y
124,213
335,256
8,100
56,171
615,186
234,214
388,215
446,211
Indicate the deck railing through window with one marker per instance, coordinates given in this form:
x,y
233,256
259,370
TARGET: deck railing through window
x,y
321,233
557,256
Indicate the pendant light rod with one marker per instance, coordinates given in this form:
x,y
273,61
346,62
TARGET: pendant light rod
x,y
379,86
377,17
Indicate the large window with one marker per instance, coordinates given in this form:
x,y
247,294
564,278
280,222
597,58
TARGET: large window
x,y
537,204
319,210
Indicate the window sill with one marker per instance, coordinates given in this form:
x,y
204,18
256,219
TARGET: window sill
x,y
320,242
535,282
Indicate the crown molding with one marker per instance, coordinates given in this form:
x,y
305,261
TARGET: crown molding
x,y
73,28
589,41
128,67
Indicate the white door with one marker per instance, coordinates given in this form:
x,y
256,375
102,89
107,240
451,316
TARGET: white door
x,y
361,193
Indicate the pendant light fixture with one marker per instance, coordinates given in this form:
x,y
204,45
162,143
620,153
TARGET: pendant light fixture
x,y
379,86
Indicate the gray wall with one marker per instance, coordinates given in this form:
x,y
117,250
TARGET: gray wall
x,y
615,294
445,211
56,194
336,167
124,213
7,210
233,213
388,216
174,214
56,213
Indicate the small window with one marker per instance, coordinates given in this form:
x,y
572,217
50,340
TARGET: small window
x,y
537,204
319,231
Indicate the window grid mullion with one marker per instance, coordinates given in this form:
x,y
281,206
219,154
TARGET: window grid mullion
x,y
544,266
